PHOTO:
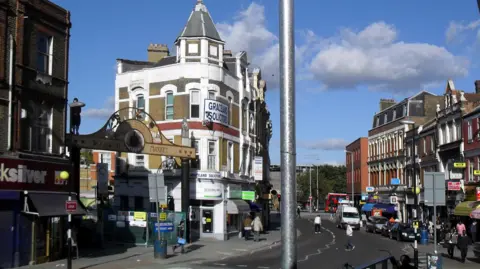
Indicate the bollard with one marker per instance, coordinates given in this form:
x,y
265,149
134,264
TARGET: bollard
x,y
160,249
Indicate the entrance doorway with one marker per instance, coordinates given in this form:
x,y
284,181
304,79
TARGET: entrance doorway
x,y
206,227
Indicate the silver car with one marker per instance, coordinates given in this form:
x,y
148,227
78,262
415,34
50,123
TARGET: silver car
x,y
375,224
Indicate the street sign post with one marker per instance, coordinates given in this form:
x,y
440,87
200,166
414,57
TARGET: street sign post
x,y
70,206
434,188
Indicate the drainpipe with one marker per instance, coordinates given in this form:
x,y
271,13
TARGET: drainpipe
x,y
10,92
67,49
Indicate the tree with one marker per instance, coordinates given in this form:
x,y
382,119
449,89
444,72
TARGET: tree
x,y
86,156
330,179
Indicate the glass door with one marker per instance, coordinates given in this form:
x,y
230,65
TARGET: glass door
x,y
206,222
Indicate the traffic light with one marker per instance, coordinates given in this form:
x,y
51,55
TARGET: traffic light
x,y
279,196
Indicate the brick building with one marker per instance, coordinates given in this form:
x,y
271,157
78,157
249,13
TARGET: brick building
x,y
34,48
359,150
388,173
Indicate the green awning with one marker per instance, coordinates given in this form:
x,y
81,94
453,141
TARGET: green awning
x,y
465,208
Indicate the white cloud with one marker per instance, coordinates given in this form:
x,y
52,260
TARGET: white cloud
x,y
248,32
456,30
376,59
325,144
101,113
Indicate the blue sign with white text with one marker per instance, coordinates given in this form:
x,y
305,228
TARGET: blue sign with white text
x,y
164,226
395,181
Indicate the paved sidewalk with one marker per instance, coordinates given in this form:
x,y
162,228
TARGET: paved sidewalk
x,y
471,262
198,252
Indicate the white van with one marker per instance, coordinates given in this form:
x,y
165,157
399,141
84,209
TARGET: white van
x,y
348,214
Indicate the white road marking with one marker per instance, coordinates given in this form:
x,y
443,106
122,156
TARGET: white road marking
x,y
221,264
241,266
240,249
225,253
263,267
320,250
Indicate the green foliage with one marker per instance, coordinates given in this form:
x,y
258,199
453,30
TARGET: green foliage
x,y
86,155
330,179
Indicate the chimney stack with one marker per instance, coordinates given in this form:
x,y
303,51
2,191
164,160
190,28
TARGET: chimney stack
x,y
477,86
386,103
227,53
156,52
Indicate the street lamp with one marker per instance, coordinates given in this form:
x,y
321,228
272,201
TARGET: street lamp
x,y
310,197
415,191
351,171
317,187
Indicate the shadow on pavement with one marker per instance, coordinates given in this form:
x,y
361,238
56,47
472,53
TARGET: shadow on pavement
x,y
194,247
107,250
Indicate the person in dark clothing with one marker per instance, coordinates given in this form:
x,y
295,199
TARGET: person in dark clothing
x,y
298,212
406,262
462,244
180,237
76,119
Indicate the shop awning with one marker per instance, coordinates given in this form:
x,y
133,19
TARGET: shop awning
x,y
367,207
52,204
465,208
254,207
237,207
387,208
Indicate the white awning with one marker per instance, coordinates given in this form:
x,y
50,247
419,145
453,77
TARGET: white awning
x,y
237,207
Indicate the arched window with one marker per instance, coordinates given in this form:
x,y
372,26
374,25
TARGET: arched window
x,y
230,101
169,105
139,103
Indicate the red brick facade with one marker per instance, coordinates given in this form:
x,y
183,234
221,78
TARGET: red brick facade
x,y
359,149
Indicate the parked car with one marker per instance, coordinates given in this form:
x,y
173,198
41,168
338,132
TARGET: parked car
x,y
386,228
375,224
403,232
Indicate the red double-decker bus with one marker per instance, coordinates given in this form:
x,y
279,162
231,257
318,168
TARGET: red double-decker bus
x,y
331,202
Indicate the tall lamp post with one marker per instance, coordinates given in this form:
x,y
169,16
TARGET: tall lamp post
x,y
351,171
310,197
317,187
415,191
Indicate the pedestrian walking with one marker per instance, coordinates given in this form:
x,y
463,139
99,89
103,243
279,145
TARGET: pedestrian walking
x,y
349,232
180,237
257,228
460,227
318,224
473,231
451,242
247,227
462,244
298,211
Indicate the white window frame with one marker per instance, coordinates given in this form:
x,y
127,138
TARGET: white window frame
x,y
212,165
230,157
244,160
469,130
34,125
106,157
394,114
470,170
135,104
211,95
424,145
48,54
197,103
230,108
142,163
432,143
171,105
478,128
193,48
213,50
385,118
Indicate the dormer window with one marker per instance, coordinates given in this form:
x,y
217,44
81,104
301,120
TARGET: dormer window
x,y
394,114
385,118
193,48
378,121
213,50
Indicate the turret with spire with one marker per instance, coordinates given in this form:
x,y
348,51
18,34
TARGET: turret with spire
x,y
199,39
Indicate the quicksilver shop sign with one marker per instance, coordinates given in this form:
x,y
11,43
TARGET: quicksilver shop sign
x,y
21,174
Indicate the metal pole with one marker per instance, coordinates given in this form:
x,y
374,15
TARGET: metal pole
x,y
317,188
157,205
415,199
310,197
434,217
353,177
69,237
287,135
186,195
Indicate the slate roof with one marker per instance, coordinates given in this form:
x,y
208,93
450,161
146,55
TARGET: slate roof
x,y
200,24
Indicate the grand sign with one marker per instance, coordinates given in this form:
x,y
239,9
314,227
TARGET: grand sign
x,y
216,111
16,174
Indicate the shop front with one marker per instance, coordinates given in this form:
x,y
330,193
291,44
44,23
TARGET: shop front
x,y
237,209
32,211
390,200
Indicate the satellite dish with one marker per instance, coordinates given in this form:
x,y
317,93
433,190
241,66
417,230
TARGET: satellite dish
x,y
77,104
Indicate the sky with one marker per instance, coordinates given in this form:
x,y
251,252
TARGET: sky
x,y
349,55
